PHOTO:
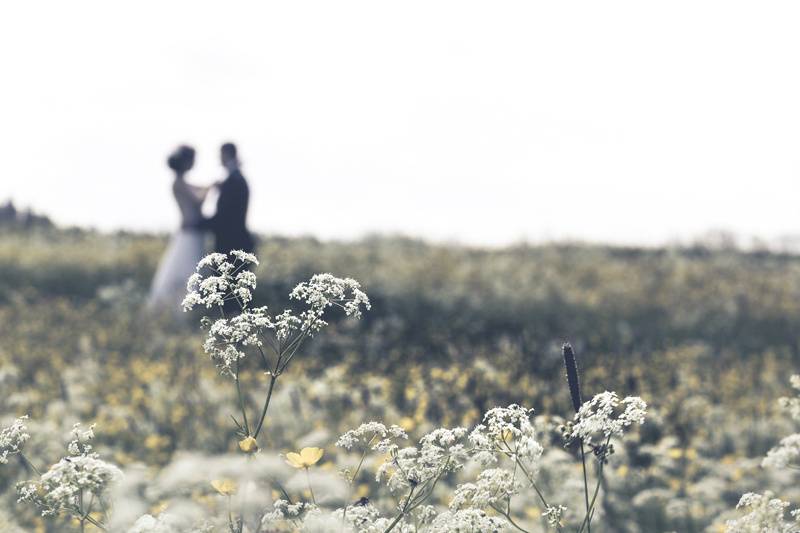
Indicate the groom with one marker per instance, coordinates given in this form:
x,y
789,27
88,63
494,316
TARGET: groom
x,y
229,222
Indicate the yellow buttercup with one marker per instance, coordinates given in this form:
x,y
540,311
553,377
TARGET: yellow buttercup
x,y
306,457
248,445
226,487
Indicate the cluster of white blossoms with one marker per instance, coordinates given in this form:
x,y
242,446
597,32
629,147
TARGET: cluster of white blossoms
x,y
787,452
12,438
326,290
605,415
508,431
504,444
494,486
59,487
220,278
466,521
765,514
439,452
366,434
150,524
228,338
63,486
553,514
283,510
81,440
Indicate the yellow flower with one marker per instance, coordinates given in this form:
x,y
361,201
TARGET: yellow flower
x,y
304,459
248,445
226,487
407,423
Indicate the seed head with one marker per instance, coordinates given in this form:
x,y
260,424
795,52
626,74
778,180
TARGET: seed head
x,y
572,376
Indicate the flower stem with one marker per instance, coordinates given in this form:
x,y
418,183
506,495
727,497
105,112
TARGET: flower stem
x,y
310,489
30,464
241,398
590,512
585,485
402,512
273,379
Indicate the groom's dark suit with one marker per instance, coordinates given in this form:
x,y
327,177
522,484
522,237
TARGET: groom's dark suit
x,y
229,222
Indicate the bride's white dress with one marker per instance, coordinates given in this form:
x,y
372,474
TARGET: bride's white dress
x,y
185,249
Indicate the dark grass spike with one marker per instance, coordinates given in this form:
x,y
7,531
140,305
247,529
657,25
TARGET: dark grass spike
x,y
572,376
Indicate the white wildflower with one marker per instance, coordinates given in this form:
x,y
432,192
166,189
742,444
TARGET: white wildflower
x,y
508,431
364,519
284,325
79,445
228,337
765,514
366,434
493,486
59,488
244,257
466,521
553,514
283,510
13,438
606,415
220,278
326,290
784,454
439,452
150,524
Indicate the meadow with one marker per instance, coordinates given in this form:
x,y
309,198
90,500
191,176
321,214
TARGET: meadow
x,y
707,337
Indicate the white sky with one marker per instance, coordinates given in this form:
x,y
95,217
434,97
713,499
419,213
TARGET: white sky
x,y
484,122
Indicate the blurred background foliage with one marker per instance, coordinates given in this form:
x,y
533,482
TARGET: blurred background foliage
x,y
708,337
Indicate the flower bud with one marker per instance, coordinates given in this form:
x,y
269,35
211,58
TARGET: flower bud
x,y
248,445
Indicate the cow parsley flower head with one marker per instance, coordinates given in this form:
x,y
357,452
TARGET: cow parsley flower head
x,y
229,337
79,445
283,510
553,514
765,513
284,325
326,290
81,472
364,519
164,523
606,415
493,486
507,431
220,278
440,452
374,434
784,454
467,521
58,488
13,438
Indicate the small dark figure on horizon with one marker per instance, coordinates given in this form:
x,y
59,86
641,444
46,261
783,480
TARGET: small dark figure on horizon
x,y
229,223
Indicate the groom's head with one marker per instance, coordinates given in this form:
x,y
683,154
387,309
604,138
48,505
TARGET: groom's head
x,y
228,156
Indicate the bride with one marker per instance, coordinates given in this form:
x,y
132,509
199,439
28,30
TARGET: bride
x,y
187,245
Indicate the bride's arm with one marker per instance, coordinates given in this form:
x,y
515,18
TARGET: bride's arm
x,y
198,191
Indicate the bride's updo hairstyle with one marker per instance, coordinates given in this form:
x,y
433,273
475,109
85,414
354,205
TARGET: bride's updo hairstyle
x,y
181,159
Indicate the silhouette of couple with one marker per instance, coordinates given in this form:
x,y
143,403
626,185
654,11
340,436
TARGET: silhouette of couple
x,y
187,246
